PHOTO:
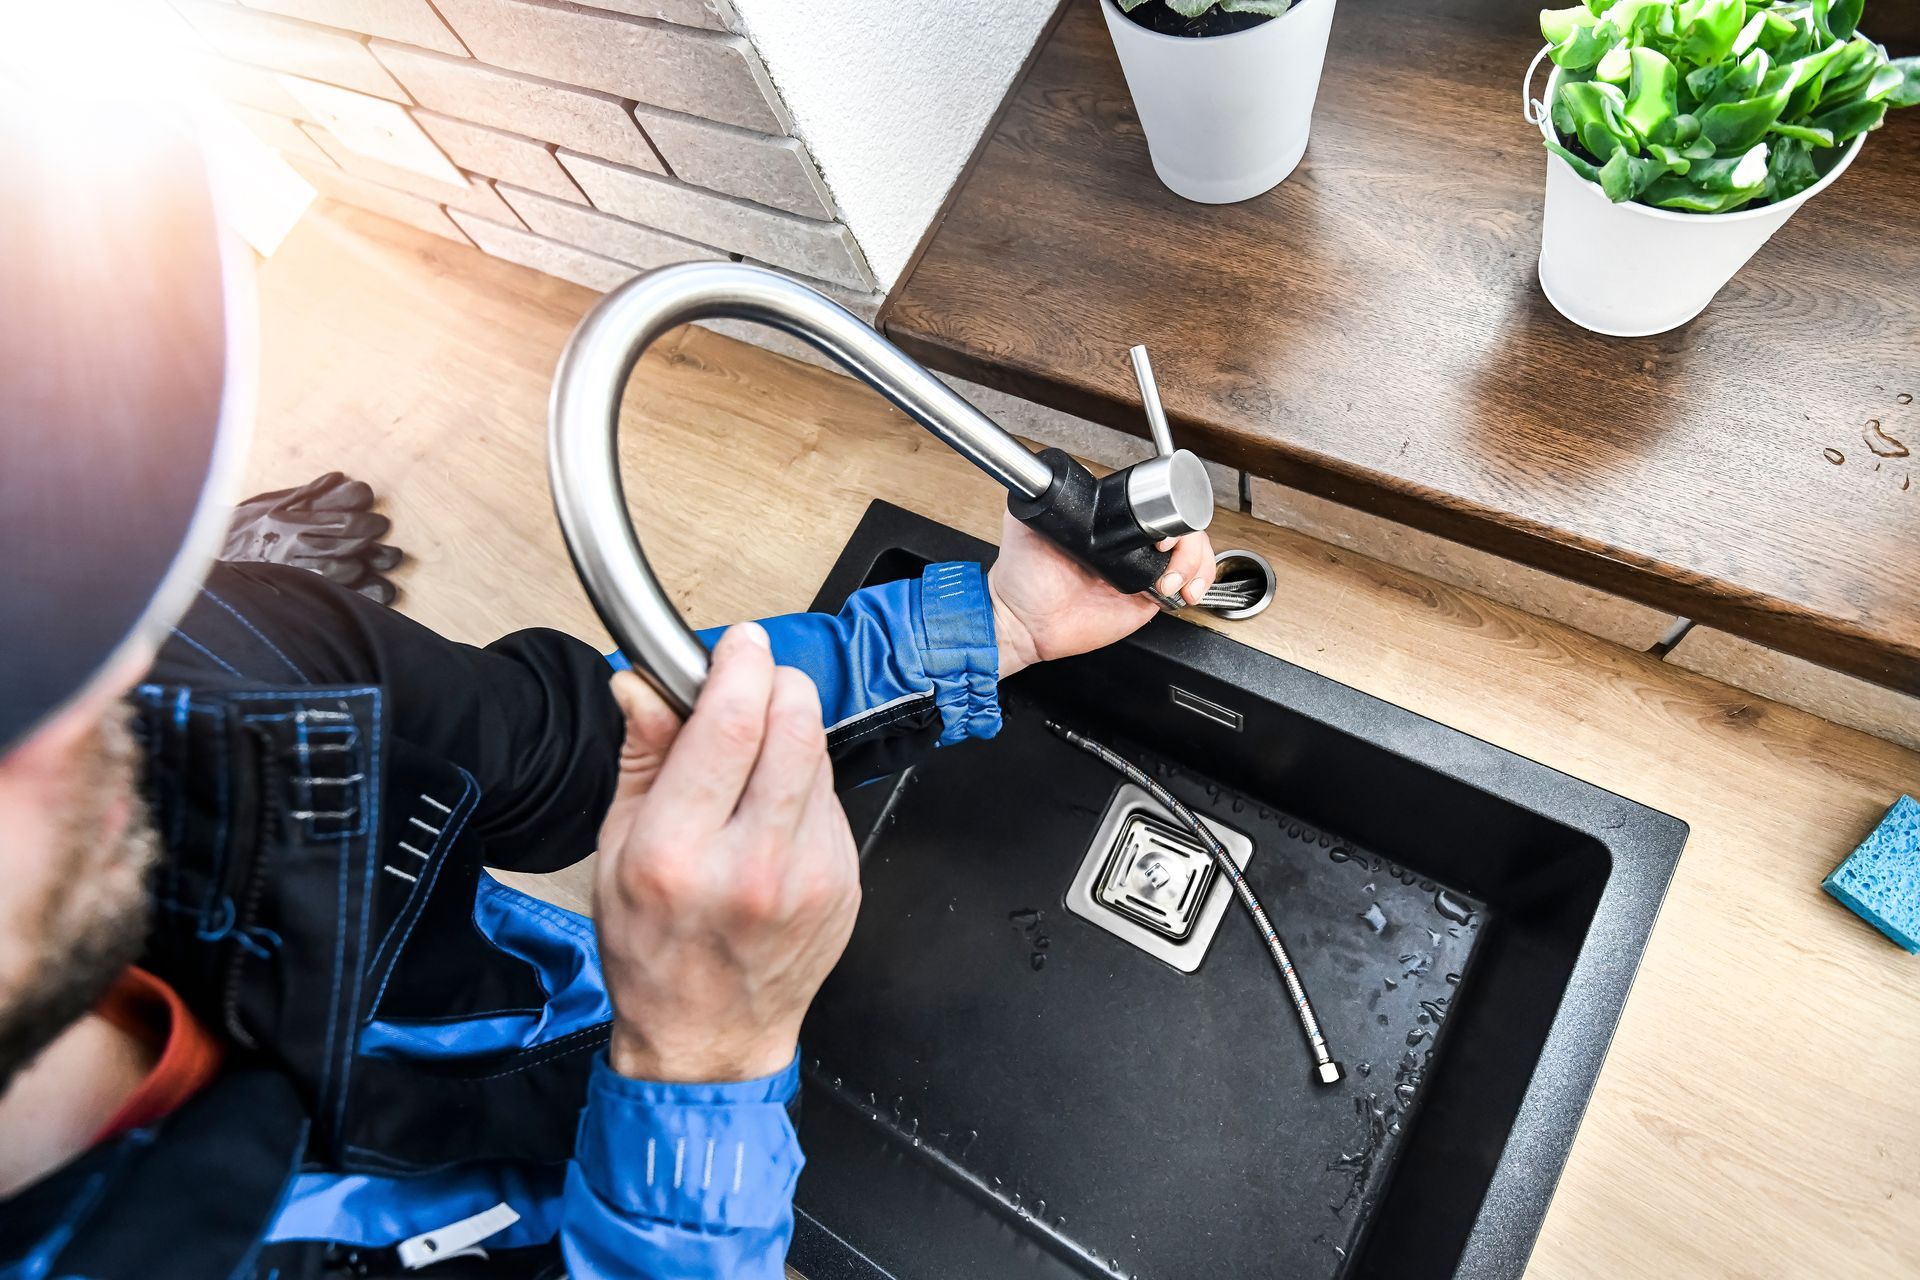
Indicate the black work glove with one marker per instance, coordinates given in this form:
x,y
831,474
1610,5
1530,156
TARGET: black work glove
x,y
327,526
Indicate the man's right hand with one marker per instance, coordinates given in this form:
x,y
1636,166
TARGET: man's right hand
x,y
727,878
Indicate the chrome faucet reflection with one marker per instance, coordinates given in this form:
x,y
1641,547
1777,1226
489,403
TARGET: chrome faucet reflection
x,y
1109,524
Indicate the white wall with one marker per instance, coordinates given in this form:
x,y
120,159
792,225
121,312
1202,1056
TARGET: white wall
x,y
890,96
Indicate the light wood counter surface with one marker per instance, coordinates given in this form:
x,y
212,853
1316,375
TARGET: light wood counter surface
x,y
1756,1117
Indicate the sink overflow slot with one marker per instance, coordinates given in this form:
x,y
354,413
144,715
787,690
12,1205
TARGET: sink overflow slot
x,y
1211,710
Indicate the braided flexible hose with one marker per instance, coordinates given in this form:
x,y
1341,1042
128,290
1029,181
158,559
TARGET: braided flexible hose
x,y
1327,1071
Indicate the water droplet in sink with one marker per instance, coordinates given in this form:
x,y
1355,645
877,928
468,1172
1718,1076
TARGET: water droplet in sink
x,y
1042,942
1025,917
1375,917
1391,984
1038,960
1382,1019
1366,1069
1416,1035
1340,853
1238,804
1451,907
1433,937
1453,979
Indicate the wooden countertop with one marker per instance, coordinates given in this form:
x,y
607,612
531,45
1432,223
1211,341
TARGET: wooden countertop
x,y
1373,331
1755,1117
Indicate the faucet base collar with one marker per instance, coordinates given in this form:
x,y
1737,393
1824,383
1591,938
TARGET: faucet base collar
x,y
1092,521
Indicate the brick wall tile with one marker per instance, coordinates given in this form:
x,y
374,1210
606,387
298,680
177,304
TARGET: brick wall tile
x,y
399,205
408,21
550,256
602,233
714,15
238,82
374,127
739,162
593,123
786,344
1616,618
1829,694
509,157
474,195
282,134
865,304
824,250
285,44
704,73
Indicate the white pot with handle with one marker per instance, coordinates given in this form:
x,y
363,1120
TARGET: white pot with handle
x,y
1629,270
1226,116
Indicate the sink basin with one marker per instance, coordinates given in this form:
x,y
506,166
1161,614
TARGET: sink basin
x,y
1002,1082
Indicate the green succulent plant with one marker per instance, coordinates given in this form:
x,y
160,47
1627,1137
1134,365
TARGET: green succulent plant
x,y
1708,106
1195,8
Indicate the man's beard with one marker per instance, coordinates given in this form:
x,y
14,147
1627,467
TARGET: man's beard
x,y
94,921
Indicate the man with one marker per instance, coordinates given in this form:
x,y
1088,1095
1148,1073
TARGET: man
x,y
262,1013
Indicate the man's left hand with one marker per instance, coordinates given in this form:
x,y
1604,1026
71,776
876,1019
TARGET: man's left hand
x,y
1047,605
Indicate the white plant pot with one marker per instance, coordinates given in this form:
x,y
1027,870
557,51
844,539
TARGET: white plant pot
x,y
1629,270
1226,117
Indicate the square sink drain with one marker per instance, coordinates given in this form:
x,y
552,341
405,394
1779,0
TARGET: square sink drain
x,y
1156,874
1146,880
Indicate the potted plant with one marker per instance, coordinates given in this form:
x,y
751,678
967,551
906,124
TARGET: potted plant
x,y
1224,88
1683,133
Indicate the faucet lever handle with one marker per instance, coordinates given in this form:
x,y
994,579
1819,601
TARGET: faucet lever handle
x,y
1150,397
1169,493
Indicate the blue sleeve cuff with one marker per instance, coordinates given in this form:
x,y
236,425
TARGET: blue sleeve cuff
x,y
960,651
713,1155
894,643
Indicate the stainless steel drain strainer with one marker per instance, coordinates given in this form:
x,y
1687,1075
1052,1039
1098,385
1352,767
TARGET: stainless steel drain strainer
x,y
1156,874
1146,880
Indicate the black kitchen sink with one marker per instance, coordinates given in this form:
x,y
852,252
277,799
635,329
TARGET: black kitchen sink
x,y
1000,1083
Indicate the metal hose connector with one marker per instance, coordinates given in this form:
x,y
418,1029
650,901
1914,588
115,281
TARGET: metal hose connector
x,y
1326,1070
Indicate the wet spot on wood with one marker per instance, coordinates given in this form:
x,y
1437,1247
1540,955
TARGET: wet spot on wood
x,y
1882,444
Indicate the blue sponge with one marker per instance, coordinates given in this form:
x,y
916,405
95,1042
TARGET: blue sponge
x,y
1880,881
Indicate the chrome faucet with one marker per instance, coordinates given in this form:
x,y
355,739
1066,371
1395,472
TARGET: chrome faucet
x,y
1111,525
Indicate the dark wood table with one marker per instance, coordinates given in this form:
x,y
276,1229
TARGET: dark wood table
x,y
1373,331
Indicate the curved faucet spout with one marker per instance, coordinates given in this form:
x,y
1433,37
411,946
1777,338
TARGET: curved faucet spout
x,y
1050,491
